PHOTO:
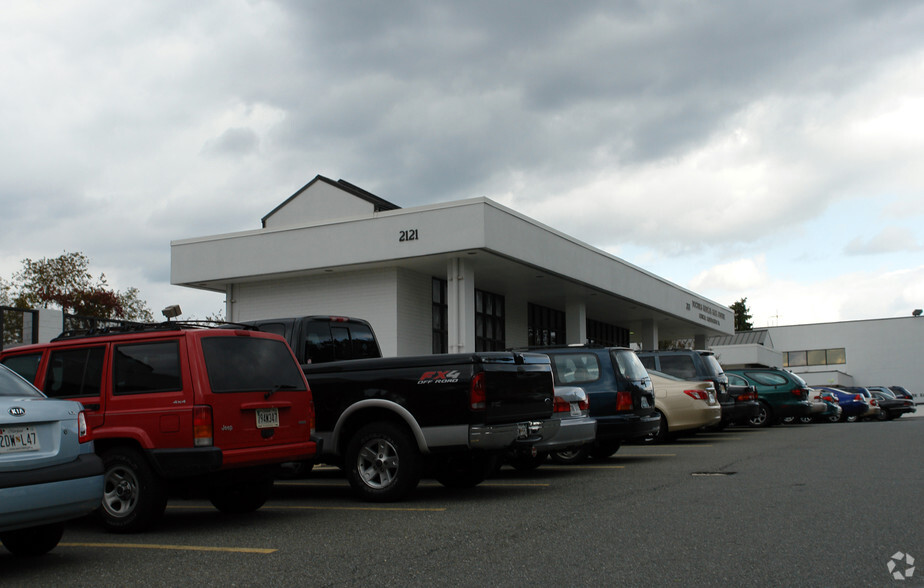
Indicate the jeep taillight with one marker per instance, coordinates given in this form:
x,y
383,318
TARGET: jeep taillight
x,y
478,396
697,394
83,433
202,426
623,401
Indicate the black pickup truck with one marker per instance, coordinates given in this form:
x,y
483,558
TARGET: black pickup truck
x,y
390,421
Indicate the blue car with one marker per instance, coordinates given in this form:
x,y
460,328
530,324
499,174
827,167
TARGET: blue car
x,y
853,405
48,471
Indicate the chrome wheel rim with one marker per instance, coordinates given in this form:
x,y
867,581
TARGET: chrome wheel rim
x,y
377,463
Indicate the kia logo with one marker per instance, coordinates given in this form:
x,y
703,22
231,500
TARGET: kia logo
x,y
18,411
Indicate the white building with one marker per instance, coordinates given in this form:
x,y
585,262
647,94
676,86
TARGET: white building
x,y
461,276
877,352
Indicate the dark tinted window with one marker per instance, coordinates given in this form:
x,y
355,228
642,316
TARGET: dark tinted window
x,y
13,385
681,366
24,365
335,341
74,372
712,364
768,379
247,364
147,367
629,365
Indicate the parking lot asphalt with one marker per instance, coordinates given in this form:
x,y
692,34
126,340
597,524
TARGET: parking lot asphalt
x,y
799,505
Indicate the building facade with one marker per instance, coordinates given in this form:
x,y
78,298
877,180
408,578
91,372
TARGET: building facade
x,y
461,276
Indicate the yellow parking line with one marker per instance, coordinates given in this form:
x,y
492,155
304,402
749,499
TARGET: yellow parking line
x,y
173,547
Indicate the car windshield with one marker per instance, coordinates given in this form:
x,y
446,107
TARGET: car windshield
x,y
13,385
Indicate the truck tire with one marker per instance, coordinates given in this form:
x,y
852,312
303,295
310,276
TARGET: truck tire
x,y
383,463
32,541
465,471
134,497
241,496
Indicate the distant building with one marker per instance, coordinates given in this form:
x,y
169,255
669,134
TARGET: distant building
x,y
885,352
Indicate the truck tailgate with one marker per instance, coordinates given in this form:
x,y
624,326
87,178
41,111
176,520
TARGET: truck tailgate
x,y
519,387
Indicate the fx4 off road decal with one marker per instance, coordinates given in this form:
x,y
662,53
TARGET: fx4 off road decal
x,y
450,377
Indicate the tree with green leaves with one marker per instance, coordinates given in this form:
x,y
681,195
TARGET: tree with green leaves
x,y
66,282
742,315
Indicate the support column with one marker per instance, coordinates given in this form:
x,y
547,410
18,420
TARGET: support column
x,y
575,321
460,295
649,333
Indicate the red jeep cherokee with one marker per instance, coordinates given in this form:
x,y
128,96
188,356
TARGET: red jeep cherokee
x,y
174,408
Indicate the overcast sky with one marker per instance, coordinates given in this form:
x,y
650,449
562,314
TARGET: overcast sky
x,y
773,151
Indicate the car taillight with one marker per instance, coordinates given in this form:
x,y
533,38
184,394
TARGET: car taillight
x,y
584,404
697,394
477,396
623,401
798,392
858,398
562,405
83,433
874,402
202,426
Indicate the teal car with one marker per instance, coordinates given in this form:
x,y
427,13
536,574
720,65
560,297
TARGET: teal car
x,y
48,470
781,394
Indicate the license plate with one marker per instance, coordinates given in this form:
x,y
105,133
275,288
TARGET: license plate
x,y
575,409
267,417
16,439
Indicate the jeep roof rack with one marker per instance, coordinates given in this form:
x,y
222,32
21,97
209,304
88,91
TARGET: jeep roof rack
x,y
147,328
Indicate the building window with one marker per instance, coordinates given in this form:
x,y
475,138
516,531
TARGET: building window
x,y
606,334
440,317
836,356
546,325
489,322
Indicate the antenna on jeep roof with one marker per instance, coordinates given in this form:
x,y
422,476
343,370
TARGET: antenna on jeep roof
x,y
172,311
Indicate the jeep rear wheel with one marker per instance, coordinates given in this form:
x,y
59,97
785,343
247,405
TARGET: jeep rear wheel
x,y
133,495
383,463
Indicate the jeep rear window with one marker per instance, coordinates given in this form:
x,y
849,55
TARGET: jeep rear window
x,y
247,364
575,368
141,368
